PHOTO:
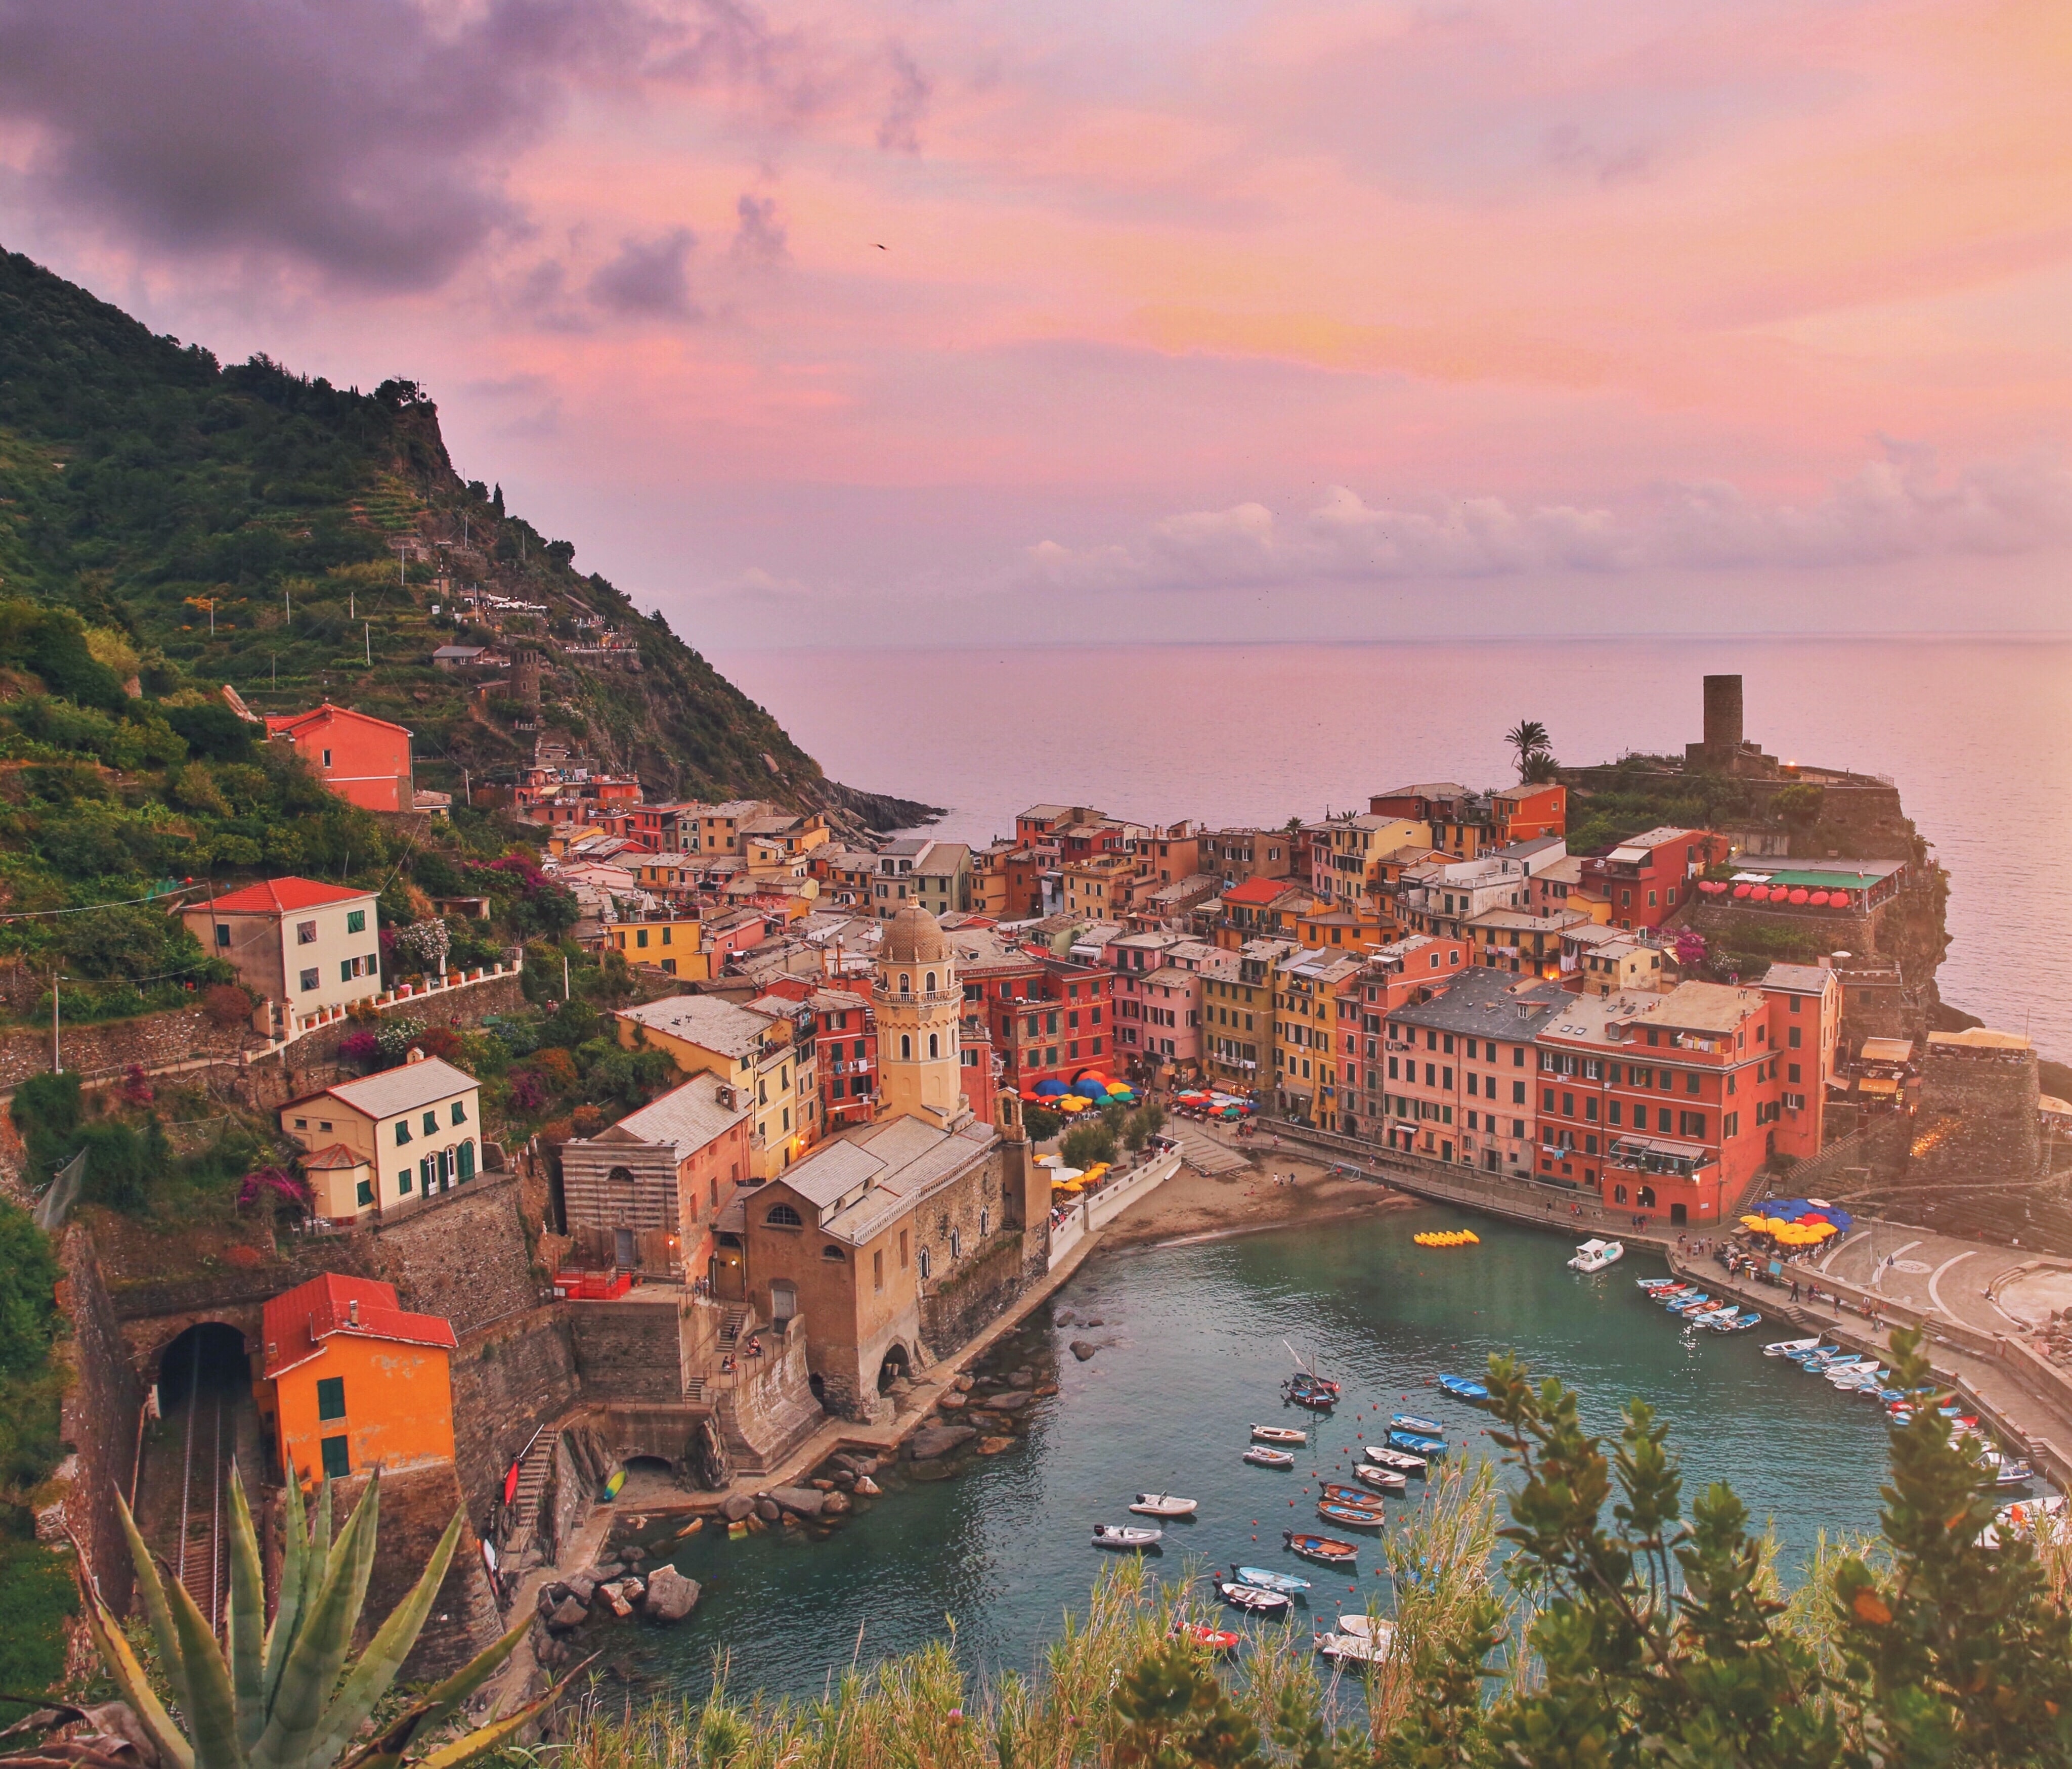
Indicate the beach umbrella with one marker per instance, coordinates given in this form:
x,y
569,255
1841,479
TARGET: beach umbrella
x,y
1800,894
1071,1103
1742,891
1818,900
1090,1089
1050,1089
1119,1087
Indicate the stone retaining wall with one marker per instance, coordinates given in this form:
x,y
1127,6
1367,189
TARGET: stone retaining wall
x,y
99,1417
111,1046
509,1379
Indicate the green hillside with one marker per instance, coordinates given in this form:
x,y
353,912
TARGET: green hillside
x,y
140,482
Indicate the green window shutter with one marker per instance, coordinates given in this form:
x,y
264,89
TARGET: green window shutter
x,y
402,1131
403,1181
331,1397
468,1160
337,1460
356,921
363,1193
460,1111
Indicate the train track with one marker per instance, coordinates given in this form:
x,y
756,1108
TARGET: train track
x,y
202,1498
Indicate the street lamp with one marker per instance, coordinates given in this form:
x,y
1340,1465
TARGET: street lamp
x,y
57,1060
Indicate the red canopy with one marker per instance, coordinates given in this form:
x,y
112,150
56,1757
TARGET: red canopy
x,y
1744,890
1801,895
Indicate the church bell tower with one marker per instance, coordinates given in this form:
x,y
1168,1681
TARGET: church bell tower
x,y
919,1004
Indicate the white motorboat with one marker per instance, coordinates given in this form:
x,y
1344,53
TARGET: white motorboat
x,y
2029,1517
1163,1505
1595,1255
1360,1639
1260,1456
1784,1347
1126,1536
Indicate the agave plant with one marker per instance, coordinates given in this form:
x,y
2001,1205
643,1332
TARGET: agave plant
x,y
276,1700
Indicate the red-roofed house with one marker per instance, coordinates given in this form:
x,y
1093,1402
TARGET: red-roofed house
x,y
364,760
352,1379
303,944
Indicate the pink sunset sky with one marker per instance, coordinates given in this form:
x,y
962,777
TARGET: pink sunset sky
x,y
832,324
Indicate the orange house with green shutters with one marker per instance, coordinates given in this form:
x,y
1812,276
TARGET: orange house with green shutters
x,y
351,1379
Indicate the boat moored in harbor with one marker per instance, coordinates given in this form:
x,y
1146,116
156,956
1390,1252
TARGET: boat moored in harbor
x,y
1278,1434
1294,1584
1326,1550
1252,1599
1123,1536
1163,1505
1595,1255
1260,1456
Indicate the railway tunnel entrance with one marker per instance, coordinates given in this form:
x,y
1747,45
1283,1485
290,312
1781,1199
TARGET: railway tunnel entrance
x,y
206,1423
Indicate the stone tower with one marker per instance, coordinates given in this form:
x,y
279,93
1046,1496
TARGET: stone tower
x,y
919,1005
525,678
1723,721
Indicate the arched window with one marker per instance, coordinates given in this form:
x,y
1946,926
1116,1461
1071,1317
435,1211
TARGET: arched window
x,y
833,1253
956,1244
931,983
935,1045
906,1048
985,1224
783,1216
620,1190
924,1264
905,983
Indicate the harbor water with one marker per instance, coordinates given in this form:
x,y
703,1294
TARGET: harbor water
x,y
1194,1346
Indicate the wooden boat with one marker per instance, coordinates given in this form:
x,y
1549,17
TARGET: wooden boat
x,y
1261,1457
1784,1347
1163,1505
1410,1421
1266,1579
1348,1516
1317,1398
1126,1536
1214,1639
1595,1255
2024,1517
1416,1443
1278,1434
1683,1305
1381,1480
1656,1285
1740,1324
1400,1461
1341,1494
1252,1599
1326,1550
1464,1388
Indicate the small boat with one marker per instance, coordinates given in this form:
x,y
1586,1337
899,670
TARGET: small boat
x,y
1381,1480
1126,1536
1711,1312
1260,1457
1352,1517
1278,1434
1397,1460
1317,1400
1417,1443
1360,1639
2013,1474
1252,1599
1163,1505
1784,1347
1326,1550
1214,1639
1595,1255
1655,1285
1341,1494
612,1487
2024,1517
1410,1421
1740,1324
1294,1584
1463,1388
1683,1305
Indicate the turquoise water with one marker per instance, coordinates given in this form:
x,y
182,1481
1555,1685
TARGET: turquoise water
x,y
1198,1357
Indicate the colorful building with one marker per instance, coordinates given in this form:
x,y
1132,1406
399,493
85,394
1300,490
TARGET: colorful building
x,y
1238,1038
1316,1001
305,947
643,1195
364,760
388,1139
350,1381
1525,812
1648,878
1461,1067
763,1052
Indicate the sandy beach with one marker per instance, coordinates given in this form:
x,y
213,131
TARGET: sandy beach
x,y
1193,1203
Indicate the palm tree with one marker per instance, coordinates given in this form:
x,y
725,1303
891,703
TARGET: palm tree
x,y
1529,738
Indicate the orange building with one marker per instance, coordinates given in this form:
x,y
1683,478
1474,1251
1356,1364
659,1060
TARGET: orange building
x,y
351,1380
365,760
1524,814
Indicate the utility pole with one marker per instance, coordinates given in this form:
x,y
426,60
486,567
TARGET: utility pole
x,y
352,612
57,1055
565,995
367,633
287,602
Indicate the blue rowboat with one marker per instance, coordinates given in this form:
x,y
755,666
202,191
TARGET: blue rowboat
x,y
1351,1516
1462,1388
1683,1305
1417,1443
1410,1421
1263,1578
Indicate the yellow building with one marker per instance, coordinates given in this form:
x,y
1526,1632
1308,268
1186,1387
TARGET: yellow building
x,y
763,1052
1306,987
387,1140
1238,1016
351,1379
779,846
1103,886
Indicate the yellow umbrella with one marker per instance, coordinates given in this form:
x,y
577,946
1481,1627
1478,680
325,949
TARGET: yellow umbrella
x,y
1760,1225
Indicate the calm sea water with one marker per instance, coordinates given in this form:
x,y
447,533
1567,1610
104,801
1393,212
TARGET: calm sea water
x,y
1973,730
1198,1357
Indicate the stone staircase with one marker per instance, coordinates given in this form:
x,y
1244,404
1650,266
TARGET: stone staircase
x,y
532,1474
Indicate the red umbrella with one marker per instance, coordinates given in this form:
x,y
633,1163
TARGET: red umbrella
x,y
1801,895
1744,890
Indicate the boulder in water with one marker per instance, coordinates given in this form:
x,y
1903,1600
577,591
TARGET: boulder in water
x,y
803,1501
671,1596
569,1614
1083,1348
925,1446
736,1506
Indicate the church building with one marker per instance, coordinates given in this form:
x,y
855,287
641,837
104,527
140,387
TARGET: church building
x,y
894,1241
